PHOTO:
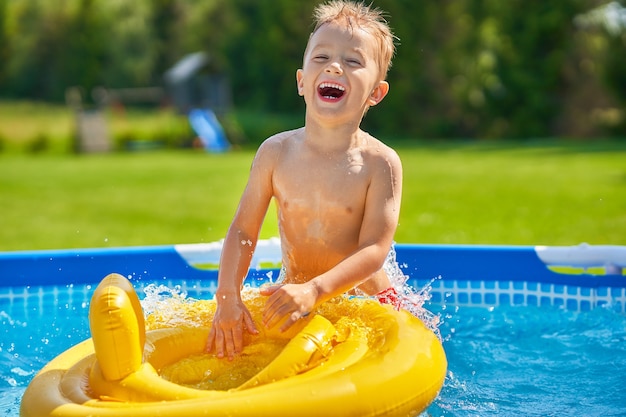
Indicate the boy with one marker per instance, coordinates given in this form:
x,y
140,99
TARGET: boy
x,y
337,189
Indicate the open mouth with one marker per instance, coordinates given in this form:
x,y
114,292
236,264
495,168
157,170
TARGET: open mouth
x,y
331,91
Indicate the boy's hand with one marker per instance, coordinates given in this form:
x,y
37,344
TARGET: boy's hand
x,y
293,300
226,335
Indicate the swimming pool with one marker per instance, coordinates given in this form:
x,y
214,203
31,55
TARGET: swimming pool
x,y
537,342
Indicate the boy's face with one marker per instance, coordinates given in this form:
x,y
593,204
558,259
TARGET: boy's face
x,y
340,74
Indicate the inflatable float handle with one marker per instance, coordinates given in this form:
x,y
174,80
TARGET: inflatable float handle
x,y
305,351
117,327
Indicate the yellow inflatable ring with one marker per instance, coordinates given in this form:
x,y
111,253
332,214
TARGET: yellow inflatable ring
x,y
317,373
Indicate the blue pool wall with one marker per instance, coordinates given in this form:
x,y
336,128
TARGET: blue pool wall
x,y
464,275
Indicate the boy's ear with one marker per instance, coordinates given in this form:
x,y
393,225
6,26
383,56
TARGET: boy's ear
x,y
379,93
299,76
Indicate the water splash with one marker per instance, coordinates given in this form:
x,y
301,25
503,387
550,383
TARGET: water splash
x,y
158,296
169,307
412,299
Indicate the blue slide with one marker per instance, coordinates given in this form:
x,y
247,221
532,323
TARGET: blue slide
x,y
208,128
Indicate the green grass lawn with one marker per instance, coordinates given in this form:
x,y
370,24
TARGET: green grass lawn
x,y
559,193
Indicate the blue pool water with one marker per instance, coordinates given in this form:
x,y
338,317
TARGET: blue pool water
x,y
534,361
503,360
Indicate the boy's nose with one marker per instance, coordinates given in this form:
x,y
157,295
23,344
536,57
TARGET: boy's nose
x,y
334,68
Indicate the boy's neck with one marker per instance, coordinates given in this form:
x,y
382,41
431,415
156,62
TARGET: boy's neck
x,y
333,138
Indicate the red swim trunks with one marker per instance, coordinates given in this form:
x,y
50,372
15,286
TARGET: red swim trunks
x,y
389,296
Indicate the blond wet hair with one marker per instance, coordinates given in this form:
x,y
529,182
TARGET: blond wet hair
x,y
358,15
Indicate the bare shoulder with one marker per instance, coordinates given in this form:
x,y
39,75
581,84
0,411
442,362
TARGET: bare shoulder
x,y
381,153
275,145
278,141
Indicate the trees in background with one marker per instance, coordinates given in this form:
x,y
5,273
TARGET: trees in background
x,y
464,68
614,77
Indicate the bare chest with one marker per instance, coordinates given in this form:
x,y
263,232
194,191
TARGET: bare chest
x,y
331,185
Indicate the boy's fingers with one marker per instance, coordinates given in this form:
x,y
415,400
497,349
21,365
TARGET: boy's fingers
x,y
250,324
293,317
237,341
219,343
272,314
269,289
233,341
210,340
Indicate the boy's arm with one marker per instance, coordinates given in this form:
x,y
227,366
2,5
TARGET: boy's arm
x,y
231,315
382,210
